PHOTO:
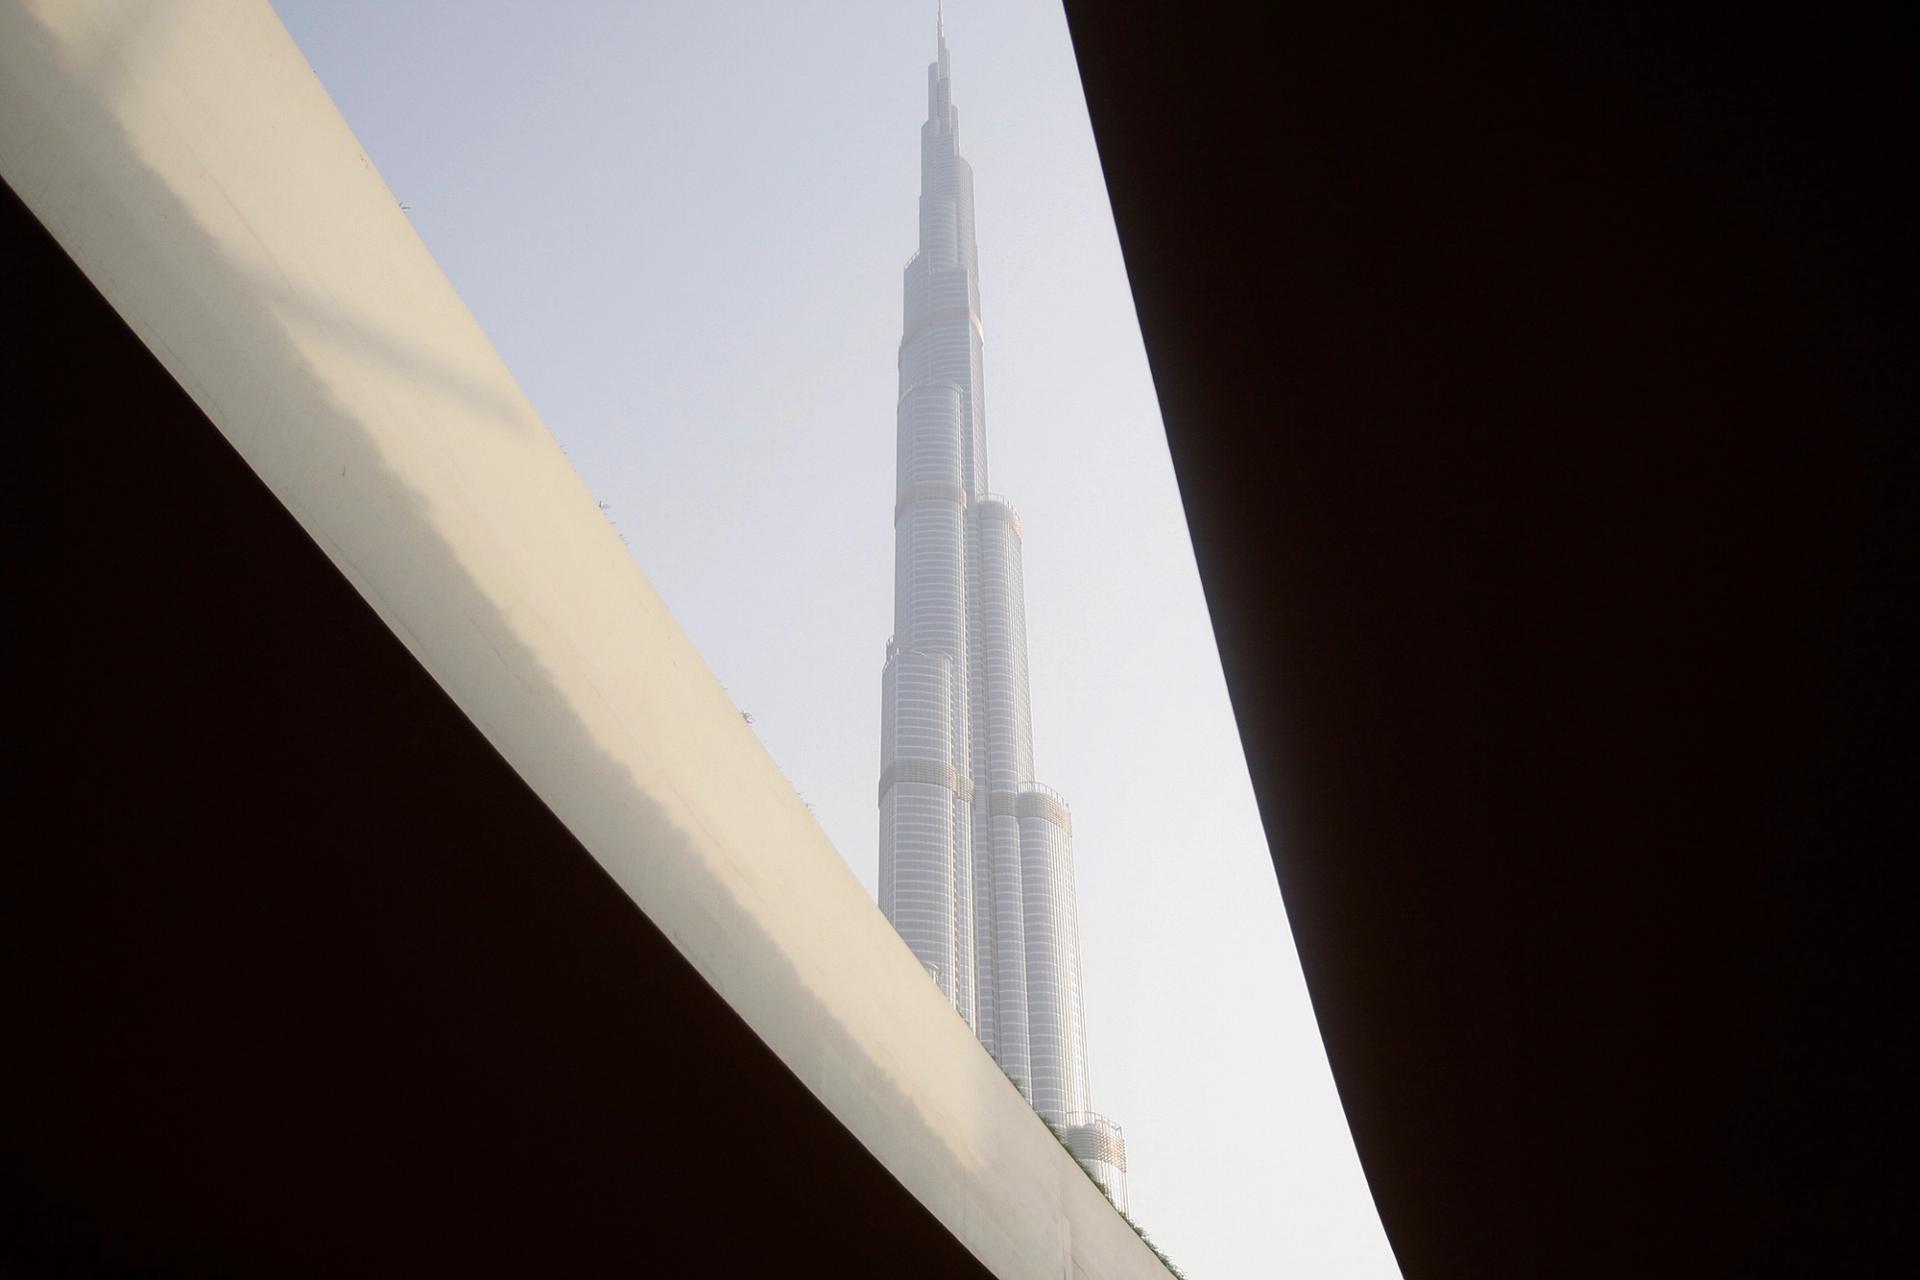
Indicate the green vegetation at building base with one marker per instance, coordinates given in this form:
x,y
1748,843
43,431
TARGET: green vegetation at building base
x,y
1060,1136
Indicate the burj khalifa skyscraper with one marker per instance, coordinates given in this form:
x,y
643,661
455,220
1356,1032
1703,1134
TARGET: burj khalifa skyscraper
x,y
976,857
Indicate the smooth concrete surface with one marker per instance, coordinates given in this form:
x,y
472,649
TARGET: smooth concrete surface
x,y
280,1000
189,161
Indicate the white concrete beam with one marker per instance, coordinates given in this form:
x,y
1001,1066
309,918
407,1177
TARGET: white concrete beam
x,y
190,162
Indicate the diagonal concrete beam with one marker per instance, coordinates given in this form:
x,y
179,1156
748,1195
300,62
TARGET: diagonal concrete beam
x,y
191,164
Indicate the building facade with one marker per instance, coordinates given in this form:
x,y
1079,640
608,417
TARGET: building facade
x,y
976,856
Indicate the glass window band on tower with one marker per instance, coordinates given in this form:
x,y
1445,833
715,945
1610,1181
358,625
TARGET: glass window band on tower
x,y
976,858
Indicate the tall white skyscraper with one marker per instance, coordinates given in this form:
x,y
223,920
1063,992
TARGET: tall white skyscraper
x,y
976,857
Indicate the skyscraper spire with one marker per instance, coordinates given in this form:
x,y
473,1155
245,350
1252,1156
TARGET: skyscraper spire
x,y
976,856
940,36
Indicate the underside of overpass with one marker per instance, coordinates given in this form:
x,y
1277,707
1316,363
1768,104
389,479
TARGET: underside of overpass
x,y
1533,381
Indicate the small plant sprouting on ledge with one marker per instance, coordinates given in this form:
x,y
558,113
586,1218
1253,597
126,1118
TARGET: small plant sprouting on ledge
x,y
1060,1136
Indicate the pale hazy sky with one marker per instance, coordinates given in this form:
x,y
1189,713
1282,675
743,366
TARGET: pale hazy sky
x,y
682,223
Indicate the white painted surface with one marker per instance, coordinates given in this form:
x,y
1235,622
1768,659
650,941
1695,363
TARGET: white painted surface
x,y
190,162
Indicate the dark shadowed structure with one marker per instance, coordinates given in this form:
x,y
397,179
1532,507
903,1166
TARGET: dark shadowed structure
x,y
1526,383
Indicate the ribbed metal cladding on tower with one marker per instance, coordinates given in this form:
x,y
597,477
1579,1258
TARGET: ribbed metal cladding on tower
x,y
976,857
